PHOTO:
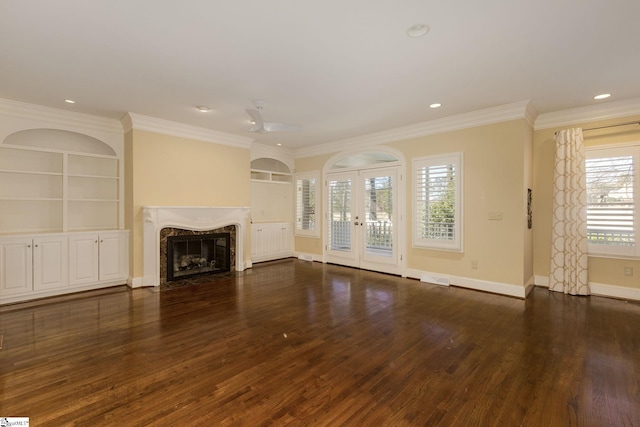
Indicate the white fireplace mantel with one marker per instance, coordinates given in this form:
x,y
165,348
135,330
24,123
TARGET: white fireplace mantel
x,y
197,218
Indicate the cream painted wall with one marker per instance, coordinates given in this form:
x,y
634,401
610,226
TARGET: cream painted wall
x,y
304,244
528,181
172,171
128,196
271,202
601,270
494,181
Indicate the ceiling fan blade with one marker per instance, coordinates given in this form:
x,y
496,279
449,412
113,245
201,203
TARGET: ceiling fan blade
x,y
281,127
256,118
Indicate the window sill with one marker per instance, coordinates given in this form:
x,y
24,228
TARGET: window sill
x,y
614,256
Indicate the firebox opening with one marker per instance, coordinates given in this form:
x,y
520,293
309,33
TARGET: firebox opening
x,y
198,254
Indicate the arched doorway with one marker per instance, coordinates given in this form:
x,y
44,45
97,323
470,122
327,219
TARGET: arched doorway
x,y
364,200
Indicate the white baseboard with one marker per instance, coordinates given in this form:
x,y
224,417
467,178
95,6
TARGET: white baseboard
x,y
507,289
307,257
601,289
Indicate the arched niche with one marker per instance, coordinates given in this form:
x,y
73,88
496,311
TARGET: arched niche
x,y
267,169
56,139
273,165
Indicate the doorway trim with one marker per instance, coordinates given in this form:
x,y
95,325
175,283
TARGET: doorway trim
x,y
402,214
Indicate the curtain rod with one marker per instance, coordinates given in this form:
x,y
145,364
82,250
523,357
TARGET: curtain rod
x,y
613,126
610,126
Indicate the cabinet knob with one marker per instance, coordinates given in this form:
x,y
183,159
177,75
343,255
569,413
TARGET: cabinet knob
x,y
35,246
101,241
96,241
28,246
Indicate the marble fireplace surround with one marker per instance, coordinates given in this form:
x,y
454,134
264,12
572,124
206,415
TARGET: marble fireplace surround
x,y
197,218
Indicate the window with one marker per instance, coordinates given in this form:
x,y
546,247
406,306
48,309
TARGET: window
x,y
612,197
306,202
437,195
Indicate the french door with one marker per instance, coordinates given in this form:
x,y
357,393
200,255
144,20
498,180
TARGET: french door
x,y
362,219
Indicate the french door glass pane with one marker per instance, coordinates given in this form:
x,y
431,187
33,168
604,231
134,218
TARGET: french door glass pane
x,y
340,215
378,205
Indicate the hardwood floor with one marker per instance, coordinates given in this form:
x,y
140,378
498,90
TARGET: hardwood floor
x,y
302,343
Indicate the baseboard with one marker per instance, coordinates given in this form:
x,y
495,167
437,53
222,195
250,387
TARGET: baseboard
x,y
134,282
307,257
466,282
601,289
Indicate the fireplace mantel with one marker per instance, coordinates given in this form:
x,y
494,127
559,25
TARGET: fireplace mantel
x,y
197,218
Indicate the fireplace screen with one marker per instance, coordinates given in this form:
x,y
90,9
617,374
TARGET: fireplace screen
x,y
198,254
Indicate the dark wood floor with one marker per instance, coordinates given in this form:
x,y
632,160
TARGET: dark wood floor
x,y
302,343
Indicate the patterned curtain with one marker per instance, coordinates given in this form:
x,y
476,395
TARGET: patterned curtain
x,y
568,272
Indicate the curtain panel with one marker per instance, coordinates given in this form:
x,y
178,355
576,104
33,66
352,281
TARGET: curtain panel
x,y
568,270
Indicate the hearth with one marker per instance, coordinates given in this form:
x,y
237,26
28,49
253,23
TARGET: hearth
x,y
194,255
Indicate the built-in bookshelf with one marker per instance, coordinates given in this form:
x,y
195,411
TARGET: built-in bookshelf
x,y
56,191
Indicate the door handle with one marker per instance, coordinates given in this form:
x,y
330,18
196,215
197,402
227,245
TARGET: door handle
x,y
356,223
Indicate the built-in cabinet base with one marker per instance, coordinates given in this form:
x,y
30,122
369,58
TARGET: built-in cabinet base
x,y
271,240
37,266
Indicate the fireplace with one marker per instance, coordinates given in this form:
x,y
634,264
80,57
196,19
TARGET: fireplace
x,y
189,256
160,222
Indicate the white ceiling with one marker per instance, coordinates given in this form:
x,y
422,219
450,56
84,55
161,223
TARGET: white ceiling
x,y
340,69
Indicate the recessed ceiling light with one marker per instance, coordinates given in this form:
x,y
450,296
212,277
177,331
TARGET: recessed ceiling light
x,y
418,30
602,96
69,101
435,105
203,109
279,145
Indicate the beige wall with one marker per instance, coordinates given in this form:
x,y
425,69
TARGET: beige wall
x,y
128,195
496,179
272,202
172,171
304,244
601,270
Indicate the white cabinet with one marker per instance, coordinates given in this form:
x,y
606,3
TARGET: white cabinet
x,y
52,264
259,240
49,262
83,259
16,271
271,240
113,256
97,257
30,264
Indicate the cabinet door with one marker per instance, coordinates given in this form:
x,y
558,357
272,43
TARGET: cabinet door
x,y
261,246
16,275
285,238
83,259
113,256
50,265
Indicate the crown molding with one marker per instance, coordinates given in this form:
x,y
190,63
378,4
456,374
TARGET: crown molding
x,y
132,121
58,118
502,113
609,110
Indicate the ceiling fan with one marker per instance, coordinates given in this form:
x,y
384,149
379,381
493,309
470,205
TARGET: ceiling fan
x,y
259,125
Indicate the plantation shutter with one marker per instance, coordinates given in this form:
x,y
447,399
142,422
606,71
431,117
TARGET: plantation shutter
x,y
305,204
610,200
437,213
